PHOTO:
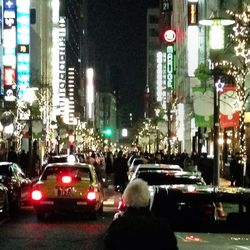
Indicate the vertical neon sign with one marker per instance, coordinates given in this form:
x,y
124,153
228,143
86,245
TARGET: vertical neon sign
x,y
62,64
9,49
23,46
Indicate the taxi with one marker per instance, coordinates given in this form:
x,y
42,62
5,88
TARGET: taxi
x,y
68,187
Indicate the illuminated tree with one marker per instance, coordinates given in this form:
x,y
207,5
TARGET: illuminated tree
x,y
238,68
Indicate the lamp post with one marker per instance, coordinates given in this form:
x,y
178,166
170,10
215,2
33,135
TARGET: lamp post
x,y
217,88
216,42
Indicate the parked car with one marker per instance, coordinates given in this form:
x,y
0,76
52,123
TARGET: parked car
x,y
4,202
68,187
17,183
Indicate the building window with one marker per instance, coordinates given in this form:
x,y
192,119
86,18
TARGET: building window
x,y
153,19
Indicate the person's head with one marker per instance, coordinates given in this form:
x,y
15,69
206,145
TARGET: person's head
x,y
136,194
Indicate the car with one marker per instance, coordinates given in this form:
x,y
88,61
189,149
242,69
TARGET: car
x,y
18,184
157,176
68,187
156,166
206,217
4,202
203,216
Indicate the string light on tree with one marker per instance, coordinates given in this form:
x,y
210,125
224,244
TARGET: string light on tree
x,y
239,69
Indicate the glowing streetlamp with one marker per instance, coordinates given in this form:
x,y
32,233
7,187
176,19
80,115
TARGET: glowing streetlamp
x,y
217,31
216,42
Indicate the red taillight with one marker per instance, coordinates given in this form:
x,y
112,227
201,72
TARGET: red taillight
x,y
66,179
91,196
36,195
122,205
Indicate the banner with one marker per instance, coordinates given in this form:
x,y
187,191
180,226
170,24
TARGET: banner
x,y
203,106
229,107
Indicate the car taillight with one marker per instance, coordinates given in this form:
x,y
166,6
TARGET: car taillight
x,y
66,179
122,205
209,210
36,195
91,196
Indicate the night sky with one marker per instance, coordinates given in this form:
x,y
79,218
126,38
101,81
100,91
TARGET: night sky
x,y
118,30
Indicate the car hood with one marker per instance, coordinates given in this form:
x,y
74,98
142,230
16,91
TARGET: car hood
x,y
212,241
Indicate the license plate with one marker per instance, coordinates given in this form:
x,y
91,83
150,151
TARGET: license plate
x,y
64,191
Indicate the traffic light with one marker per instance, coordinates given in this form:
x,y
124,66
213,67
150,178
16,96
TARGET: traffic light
x,y
107,132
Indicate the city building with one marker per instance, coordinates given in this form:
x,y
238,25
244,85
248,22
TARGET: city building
x,y
106,116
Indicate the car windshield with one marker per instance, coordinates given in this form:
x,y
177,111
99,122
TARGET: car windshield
x,y
167,178
82,173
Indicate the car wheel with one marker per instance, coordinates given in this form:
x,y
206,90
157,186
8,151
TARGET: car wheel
x,y
93,215
18,203
15,205
6,208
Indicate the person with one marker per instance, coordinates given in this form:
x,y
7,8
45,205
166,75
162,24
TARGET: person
x,y
109,170
121,172
233,170
138,228
23,161
12,155
188,164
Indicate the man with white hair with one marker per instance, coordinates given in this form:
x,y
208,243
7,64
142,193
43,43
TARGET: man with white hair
x,y
137,228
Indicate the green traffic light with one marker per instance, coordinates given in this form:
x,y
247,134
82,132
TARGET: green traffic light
x,y
108,132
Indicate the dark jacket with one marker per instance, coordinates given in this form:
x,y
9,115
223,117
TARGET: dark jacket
x,y
138,229
121,169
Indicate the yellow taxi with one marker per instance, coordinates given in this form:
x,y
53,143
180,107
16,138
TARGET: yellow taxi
x,y
68,187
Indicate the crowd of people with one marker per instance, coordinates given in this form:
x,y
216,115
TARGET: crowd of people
x,y
117,165
113,166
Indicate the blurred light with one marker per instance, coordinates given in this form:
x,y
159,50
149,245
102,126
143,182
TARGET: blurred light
x,y
216,34
66,179
124,132
71,159
193,49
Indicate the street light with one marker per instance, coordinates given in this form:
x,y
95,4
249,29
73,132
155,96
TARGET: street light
x,y
216,40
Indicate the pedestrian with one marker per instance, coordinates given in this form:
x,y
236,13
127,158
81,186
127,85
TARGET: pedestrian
x,y
23,161
233,170
137,228
109,169
12,155
188,164
121,172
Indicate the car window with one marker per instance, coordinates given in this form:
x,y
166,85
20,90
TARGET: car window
x,y
137,162
82,173
5,170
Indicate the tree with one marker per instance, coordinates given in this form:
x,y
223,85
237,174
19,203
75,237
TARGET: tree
x,y
238,68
